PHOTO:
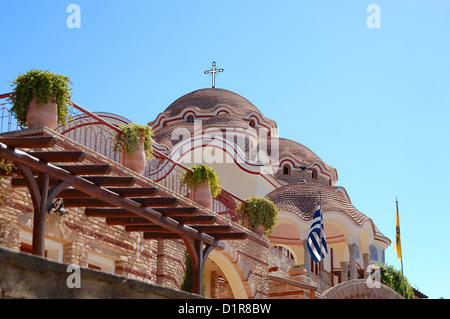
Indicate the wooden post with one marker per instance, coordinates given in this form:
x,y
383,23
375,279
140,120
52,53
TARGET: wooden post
x,y
41,197
39,216
199,255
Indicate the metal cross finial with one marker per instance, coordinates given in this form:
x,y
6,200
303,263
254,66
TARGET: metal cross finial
x,y
303,168
213,71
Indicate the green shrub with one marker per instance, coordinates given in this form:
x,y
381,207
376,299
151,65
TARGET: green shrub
x,y
392,278
259,211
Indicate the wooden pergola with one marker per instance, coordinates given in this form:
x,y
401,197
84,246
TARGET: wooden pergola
x,y
50,174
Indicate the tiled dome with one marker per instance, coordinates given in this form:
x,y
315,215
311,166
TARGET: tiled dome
x,y
226,121
302,199
207,100
299,152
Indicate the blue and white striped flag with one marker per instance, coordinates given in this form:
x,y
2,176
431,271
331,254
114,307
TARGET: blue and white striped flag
x,y
317,243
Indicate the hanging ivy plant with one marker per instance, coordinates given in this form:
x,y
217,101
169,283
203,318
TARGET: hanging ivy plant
x,y
44,85
128,140
202,174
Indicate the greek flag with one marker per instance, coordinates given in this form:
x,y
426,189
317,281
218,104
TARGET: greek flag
x,y
317,243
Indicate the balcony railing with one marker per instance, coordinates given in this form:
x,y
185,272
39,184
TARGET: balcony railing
x,y
96,133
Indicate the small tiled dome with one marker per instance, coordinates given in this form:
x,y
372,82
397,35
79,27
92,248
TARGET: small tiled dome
x,y
302,199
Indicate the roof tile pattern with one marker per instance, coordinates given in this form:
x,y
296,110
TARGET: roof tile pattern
x,y
302,199
207,100
299,152
226,121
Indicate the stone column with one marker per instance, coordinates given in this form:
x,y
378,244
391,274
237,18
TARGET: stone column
x,y
353,249
366,264
344,275
306,258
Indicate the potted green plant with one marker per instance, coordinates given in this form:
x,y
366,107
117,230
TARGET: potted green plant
x,y
204,183
297,269
135,141
260,213
41,98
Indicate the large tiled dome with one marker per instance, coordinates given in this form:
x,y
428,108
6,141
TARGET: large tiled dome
x,y
299,152
208,100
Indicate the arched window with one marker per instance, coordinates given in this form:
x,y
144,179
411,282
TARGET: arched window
x,y
286,170
190,119
314,174
252,123
373,252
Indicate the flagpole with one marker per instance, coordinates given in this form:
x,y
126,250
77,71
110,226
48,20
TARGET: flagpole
x,y
321,261
401,260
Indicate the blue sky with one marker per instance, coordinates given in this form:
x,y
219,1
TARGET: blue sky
x,y
372,102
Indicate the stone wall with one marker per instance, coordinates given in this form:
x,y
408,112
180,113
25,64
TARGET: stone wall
x,y
31,277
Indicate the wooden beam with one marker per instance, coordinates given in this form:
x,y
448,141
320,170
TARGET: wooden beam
x,y
109,212
97,180
161,236
230,236
60,156
166,211
146,228
177,211
213,228
199,219
158,229
112,180
29,142
135,191
39,217
144,201
132,219
128,221
87,169
126,192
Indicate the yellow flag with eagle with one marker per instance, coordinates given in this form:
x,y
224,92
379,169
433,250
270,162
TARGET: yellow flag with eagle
x,y
398,243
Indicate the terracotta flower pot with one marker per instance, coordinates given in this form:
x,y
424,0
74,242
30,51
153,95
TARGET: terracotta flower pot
x,y
258,230
202,195
136,160
43,114
296,271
